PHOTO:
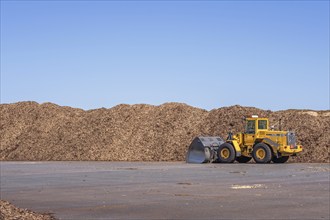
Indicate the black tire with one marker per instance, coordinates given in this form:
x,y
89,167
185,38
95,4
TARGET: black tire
x,y
282,159
243,159
262,153
226,153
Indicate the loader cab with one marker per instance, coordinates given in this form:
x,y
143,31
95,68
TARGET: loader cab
x,y
254,124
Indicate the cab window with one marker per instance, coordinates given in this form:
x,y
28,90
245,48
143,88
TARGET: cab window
x,y
262,124
250,127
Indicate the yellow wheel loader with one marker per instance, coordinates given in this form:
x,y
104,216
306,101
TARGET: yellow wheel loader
x,y
258,142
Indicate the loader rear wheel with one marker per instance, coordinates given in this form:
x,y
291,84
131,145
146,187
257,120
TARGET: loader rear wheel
x,y
262,153
226,153
280,159
243,159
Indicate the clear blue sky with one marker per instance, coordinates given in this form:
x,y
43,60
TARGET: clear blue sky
x,y
209,54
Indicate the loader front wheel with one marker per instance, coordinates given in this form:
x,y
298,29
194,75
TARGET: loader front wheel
x,y
243,159
280,159
262,153
226,153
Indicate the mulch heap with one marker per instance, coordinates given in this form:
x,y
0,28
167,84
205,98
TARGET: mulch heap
x,y
32,131
10,212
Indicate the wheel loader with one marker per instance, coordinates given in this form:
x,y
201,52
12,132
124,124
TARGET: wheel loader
x,y
259,141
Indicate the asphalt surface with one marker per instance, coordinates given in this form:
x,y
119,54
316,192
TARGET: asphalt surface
x,y
127,190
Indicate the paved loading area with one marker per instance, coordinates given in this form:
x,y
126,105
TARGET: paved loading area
x,y
135,190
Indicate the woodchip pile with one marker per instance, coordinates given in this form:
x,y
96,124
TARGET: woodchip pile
x,y
10,212
32,131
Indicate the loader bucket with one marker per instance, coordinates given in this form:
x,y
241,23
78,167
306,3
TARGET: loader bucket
x,y
203,149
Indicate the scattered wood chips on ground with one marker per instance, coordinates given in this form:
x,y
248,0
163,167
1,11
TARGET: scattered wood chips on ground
x,y
10,212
